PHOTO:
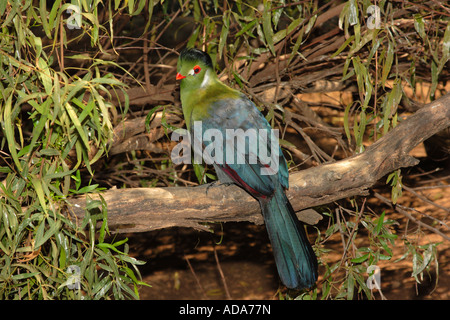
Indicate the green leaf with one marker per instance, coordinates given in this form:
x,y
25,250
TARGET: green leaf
x,y
131,260
347,122
224,33
193,37
385,246
360,259
419,25
280,35
44,75
76,122
267,26
101,288
54,227
350,285
247,28
434,78
446,44
49,152
199,171
52,15
149,116
286,143
23,276
110,81
151,5
379,223
9,132
104,246
297,44
121,242
85,189
388,63
391,177
37,184
420,263
37,41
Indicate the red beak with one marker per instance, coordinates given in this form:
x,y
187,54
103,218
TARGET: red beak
x,y
180,76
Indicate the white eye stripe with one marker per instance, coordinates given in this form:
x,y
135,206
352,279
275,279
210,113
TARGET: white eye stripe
x,y
191,72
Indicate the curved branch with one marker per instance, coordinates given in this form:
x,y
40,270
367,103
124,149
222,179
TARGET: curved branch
x,y
144,209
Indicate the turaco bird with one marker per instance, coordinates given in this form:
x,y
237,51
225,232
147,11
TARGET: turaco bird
x,y
205,98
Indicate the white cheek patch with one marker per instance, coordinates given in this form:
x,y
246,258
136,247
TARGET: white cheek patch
x,y
191,72
205,79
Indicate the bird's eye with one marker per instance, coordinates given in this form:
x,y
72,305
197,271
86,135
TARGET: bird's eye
x,y
197,69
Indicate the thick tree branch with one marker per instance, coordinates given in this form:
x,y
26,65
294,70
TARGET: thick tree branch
x,y
144,209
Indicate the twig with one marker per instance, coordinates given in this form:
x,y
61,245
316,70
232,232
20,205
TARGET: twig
x,y
347,245
146,68
425,199
195,277
222,277
401,209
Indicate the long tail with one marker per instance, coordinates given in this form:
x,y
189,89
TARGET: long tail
x,y
294,256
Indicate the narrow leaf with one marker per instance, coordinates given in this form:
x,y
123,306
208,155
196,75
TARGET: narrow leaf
x,y
73,116
267,26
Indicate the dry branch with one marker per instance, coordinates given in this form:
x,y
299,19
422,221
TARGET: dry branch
x,y
144,209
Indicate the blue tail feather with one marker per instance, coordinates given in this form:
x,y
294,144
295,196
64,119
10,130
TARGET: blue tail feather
x,y
294,256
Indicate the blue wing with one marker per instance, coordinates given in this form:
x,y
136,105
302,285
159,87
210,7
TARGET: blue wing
x,y
251,156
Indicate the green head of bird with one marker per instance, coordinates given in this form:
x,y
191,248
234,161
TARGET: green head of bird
x,y
194,68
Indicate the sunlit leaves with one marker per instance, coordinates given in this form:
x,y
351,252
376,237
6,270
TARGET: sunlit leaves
x,y
71,128
395,180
